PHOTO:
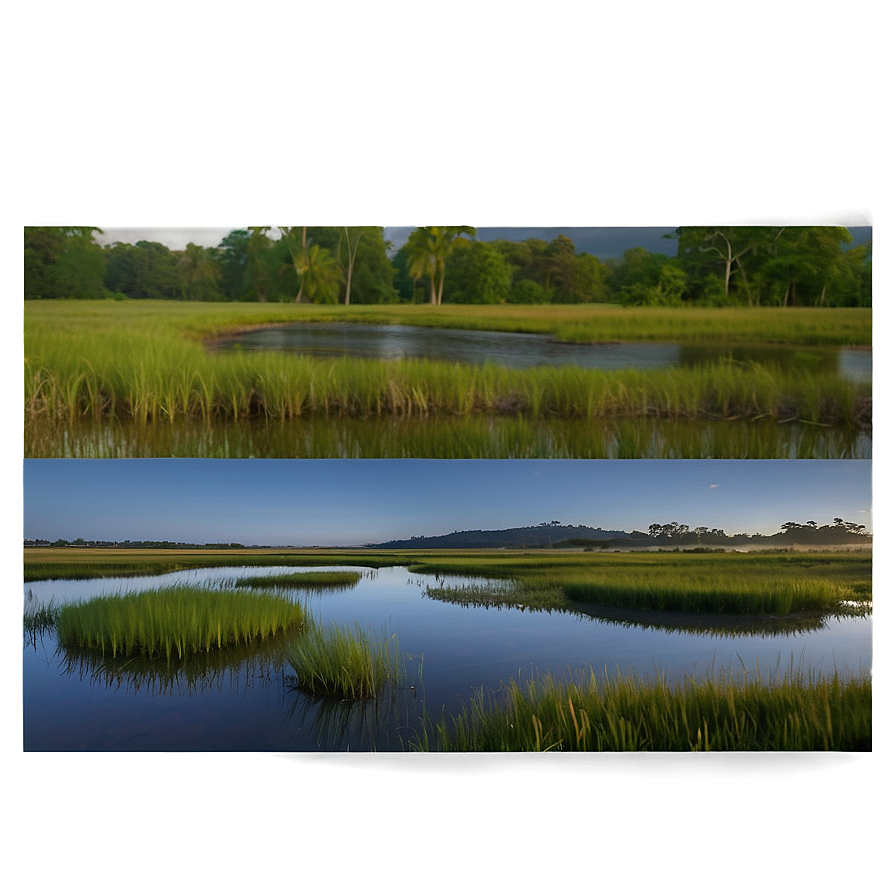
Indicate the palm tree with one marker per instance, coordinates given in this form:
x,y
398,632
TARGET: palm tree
x,y
420,251
428,249
321,275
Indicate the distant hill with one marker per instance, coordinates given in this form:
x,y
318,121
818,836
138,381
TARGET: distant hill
x,y
546,535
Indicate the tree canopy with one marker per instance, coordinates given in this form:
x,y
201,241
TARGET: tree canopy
x,y
714,266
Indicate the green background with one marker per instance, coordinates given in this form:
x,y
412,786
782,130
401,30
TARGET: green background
x,y
489,113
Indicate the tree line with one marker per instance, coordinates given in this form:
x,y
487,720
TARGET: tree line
x,y
838,532
714,266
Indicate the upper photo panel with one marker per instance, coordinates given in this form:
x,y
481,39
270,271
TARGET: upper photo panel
x,y
448,342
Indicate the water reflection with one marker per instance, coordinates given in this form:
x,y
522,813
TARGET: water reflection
x,y
386,722
523,350
457,438
716,627
234,670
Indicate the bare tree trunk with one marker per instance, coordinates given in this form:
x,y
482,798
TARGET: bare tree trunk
x,y
302,282
351,263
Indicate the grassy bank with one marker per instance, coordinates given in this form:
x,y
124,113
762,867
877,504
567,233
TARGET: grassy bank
x,y
145,363
798,711
176,621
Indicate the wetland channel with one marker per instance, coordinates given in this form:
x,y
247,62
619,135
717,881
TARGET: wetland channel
x,y
242,699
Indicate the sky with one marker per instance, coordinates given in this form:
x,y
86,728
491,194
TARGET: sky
x,y
604,242
350,502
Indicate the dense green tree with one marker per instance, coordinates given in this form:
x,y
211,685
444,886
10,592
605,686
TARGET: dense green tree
x,y
803,264
146,270
648,278
405,284
199,274
479,276
262,264
527,292
590,279
63,262
233,265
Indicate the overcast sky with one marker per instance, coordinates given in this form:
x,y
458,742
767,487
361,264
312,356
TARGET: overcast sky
x,y
345,502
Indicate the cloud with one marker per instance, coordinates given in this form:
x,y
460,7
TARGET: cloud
x,y
713,485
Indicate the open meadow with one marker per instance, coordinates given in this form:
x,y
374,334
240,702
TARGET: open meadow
x,y
138,378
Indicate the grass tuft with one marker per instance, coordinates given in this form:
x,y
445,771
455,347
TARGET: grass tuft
x,y
342,662
176,621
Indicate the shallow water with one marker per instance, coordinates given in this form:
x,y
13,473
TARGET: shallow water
x,y
76,701
523,350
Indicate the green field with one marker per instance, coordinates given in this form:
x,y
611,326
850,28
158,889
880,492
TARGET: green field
x,y
98,371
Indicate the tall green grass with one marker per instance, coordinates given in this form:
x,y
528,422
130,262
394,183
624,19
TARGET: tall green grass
x,y
144,362
177,621
711,594
343,662
314,581
623,712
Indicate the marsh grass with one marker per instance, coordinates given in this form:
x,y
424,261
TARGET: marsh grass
x,y
38,621
624,712
756,584
176,622
312,581
344,662
91,362
711,594
517,595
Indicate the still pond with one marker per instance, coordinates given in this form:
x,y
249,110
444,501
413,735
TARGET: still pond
x,y
523,350
242,700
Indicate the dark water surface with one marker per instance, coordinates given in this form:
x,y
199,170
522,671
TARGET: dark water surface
x,y
522,350
479,436
242,701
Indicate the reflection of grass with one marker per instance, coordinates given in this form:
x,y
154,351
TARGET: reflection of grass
x,y
479,436
238,668
343,662
175,621
624,712
310,580
714,625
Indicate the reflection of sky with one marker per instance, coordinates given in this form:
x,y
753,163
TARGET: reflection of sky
x,y
345,502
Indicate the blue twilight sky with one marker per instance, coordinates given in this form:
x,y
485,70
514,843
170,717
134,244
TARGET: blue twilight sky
x,y
346,502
